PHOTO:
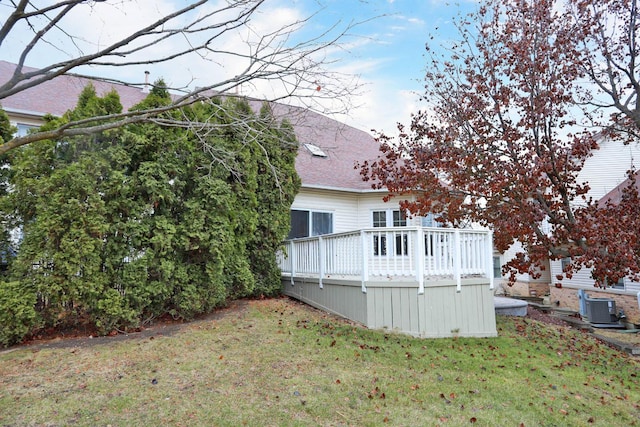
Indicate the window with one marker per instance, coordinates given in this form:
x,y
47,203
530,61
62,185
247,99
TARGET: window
x,y
390,218
315,150
379,244
402,243
321,223
565,263
24,129
379,219
497,268
310,223
299,224
399,219
429,221
379,240
618,285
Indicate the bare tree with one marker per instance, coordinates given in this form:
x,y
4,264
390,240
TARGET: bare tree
x,y
610,52
290,64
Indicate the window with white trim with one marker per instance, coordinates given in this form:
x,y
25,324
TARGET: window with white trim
x,y
400,241
23,129
306,223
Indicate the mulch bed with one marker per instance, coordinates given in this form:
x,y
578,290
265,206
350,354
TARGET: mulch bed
x,y
541,316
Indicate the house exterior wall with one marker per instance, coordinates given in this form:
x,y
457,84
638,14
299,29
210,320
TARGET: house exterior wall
x,y
15,119
525,285
343,205
369,202
351,210
607,168
567,297
581,279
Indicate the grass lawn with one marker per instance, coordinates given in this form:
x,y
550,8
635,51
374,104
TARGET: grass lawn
x,y
280,363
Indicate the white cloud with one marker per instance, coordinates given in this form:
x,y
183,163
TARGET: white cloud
x,y
383,104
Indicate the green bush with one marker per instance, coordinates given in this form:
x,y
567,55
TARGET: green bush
x,y
17,313
137,222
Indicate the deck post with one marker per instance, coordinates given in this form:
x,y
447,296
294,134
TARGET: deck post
x,y
457,261
320,261
365,261
420,254
292,254
489,251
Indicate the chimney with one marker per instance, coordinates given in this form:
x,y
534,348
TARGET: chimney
x,y
145,89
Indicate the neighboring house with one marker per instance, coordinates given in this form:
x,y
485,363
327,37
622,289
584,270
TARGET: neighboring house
x,y
384,270
605,172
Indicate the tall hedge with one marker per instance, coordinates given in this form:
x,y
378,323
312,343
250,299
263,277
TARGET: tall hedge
x,y
135,223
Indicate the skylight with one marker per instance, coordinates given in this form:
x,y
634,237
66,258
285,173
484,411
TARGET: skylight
x,y
315,150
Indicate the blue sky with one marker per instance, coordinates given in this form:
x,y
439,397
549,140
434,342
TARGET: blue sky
x,y
385,49
388,52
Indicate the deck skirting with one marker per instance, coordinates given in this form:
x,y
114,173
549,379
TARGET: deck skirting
x,y
443,310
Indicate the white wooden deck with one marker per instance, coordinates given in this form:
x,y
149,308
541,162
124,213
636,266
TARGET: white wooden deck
x,y
427,282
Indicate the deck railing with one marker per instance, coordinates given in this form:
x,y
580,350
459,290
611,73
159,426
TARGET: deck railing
x,y
399,252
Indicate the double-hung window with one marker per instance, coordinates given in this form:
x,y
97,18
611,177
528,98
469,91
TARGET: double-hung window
x,y
306,223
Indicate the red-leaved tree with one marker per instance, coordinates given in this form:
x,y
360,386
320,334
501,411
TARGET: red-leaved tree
x,y
513,110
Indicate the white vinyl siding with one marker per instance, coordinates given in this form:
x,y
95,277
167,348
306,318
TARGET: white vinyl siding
x,y
344,207
581,279
607,167
351,211
604,171
373,202
509,254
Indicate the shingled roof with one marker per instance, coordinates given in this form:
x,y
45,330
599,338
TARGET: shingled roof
x,y
342,145
615,196
59,95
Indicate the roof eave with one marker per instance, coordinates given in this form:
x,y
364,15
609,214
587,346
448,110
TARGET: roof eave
x,y
344,189
24,113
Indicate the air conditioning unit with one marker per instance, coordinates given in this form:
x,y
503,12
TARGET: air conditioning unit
x,y
601,310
